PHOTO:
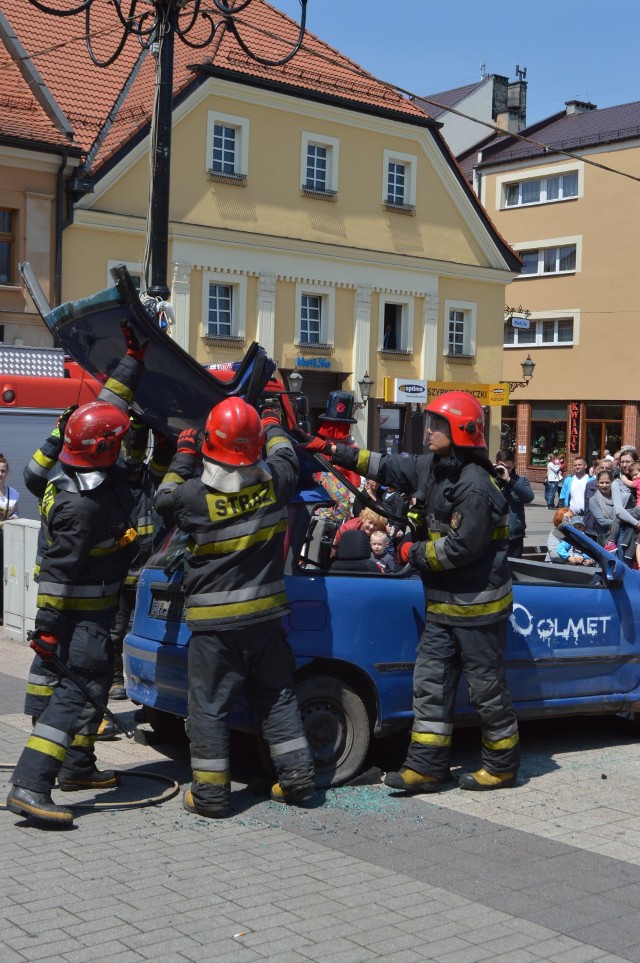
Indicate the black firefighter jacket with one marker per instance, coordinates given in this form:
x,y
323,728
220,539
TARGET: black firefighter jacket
x,y
463,560
234,564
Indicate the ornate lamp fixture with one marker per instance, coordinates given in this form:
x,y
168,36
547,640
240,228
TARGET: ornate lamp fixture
x,y
365,385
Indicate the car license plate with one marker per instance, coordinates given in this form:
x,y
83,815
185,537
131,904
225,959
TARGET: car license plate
x,y
167,607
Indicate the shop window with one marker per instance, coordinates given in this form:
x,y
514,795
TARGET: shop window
x,y
548,432
508,427
7,246
603,428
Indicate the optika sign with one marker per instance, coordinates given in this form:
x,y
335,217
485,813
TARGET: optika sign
x,y
312,363
410,389
559,631
402,392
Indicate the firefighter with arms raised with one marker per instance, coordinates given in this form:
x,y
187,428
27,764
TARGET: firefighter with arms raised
x,y
233,504
459,546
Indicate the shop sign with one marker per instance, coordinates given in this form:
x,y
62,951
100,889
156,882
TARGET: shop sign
x,y
574,427
313,363
403,390
490,394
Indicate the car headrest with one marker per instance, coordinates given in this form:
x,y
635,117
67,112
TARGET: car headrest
x,y
354,545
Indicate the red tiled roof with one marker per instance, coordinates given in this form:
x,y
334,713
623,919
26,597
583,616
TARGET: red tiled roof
x,y
87,93
21,116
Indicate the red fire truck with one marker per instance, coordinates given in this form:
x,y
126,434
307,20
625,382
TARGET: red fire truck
x,y
36,385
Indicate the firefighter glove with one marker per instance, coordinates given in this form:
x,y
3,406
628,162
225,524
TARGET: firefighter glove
x,y
135,348
43,643
271,415
404,548
61,424
417,521
189,443
312,442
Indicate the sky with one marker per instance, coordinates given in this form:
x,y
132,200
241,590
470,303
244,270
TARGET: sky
x,y
572,50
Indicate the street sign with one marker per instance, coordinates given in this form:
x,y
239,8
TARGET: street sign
x,y
519,321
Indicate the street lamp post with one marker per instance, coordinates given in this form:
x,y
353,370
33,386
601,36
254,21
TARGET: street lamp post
x,y
156,24
527,372
365,384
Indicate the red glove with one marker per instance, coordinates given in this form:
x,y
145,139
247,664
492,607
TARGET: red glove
x,y
403,550
134,348
312,442
189,443
44,644
270,417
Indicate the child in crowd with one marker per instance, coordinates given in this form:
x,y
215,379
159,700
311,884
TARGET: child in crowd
x,y
380,552
567,551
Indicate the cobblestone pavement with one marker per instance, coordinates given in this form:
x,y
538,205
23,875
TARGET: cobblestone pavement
x,y
549,870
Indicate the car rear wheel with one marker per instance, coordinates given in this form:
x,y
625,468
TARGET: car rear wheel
x,y
337,726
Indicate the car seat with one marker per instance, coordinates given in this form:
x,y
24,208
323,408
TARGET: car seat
x,y
354,554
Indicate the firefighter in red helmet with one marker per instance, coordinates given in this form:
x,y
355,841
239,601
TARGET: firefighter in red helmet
x,y
233,504
459,546
87,525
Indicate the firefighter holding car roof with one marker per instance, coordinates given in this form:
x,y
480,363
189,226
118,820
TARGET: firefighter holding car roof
x,y
459,546
233,504
87,518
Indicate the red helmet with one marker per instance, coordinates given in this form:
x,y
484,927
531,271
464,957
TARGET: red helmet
x,y
93,435
233,434
465,417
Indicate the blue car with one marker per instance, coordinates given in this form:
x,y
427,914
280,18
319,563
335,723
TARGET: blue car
x,y
573,644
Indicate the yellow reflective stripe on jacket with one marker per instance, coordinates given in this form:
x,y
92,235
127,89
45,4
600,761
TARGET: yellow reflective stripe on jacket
x,y
362,463
118,389
432,559
43,690
172,478
237,544
500,533
211,778
47,747
146,529
42,461
468,611
102,552
508,743
91,604
228,611
430,739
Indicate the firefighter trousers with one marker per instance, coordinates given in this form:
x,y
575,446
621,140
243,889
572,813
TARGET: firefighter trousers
x,y
221,662
444,652
63,737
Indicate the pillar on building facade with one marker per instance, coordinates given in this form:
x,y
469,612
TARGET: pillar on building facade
x,y
523,436
360,356
631,423
181,303
266,328
430,339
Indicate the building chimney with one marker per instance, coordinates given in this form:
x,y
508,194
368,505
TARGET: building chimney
x,y
510,102
579,106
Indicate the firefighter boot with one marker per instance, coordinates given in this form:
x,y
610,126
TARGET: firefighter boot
x,y
106,731
411,781
296,796
117,691
482,780
211,811
92,779
37,806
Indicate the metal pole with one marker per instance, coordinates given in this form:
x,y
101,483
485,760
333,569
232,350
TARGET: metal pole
x,y
161,169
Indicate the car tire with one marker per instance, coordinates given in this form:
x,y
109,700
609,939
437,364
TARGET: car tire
x,y
166,726
337,726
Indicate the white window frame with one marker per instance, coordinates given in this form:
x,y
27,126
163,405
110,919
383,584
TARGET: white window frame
x,y
544,245
241,126
536,322
332,145
238,303
406,323
133,267
504,181
410,162
327,295
470,311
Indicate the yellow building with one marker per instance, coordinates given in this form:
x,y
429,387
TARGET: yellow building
x,y
573,218
312,208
